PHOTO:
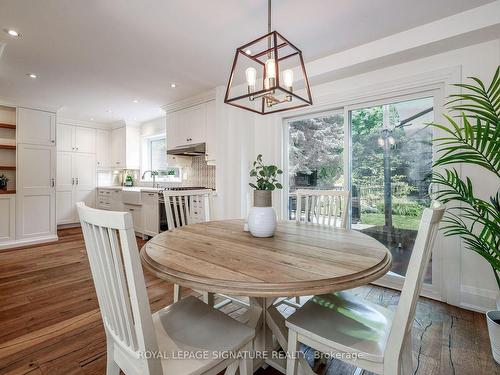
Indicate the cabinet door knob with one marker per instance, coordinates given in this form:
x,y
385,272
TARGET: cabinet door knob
x,y
52,182
72,181
77,180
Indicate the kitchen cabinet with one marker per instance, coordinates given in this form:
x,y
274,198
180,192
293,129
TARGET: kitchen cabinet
x,y
36,127
75,183
187,126
150,213
36,192
192,125
125,147
210,140
136,212
102,149
76,138
109,199
118,152
8,217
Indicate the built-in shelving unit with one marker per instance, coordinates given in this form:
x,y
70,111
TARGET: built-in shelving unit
x,y
8,147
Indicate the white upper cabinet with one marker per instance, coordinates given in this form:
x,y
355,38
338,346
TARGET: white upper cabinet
x,y
76,139
102,149
126,147
187,126
65,137
84,140
118,152
36,127
211,140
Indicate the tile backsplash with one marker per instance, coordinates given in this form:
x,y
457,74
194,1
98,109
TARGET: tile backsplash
x,y
199,174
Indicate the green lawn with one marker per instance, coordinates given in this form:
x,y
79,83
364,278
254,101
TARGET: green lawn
x,y
398,221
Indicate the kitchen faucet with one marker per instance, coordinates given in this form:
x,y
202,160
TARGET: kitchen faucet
x,y
153,175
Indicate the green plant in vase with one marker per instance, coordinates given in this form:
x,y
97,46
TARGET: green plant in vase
x,y
262,217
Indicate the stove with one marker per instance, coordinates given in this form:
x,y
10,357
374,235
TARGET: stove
x,y
181,188
178,205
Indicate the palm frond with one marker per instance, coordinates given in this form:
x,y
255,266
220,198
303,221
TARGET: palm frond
x,y
471,144
479,101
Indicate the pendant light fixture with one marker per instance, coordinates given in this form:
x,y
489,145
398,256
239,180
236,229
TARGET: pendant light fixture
x,y
268,75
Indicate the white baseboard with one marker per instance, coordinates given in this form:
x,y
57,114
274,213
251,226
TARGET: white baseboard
x,y
477,299
65,226
27,242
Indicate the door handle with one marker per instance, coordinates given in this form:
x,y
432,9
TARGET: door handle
x,y
77,180
73,181
52,182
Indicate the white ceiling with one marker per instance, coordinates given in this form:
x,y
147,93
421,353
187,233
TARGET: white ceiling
x,y
95,56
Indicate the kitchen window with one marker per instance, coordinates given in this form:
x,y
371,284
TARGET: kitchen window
x,y
156,156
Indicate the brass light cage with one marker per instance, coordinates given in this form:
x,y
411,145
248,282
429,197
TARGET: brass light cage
x,y
272,95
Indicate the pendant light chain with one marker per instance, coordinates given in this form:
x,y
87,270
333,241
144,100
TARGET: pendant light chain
x,y
269,26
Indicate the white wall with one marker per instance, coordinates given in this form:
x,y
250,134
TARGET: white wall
x,y
154,127
149,129
468,279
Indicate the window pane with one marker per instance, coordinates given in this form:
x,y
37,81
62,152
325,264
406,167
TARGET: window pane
x,y
158,154
315,155
391,171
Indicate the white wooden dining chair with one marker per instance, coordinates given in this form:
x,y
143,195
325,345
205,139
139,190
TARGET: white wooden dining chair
x,y
139,343
184,207
323,207
362,333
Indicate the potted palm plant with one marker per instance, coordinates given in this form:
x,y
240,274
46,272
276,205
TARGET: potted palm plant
x,y
262,217
476,142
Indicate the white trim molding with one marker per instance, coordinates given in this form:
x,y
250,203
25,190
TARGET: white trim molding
x,y
189,102
27,242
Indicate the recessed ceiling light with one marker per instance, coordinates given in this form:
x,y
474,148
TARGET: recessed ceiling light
x,y
135,101
32,75
248,52
12,32
173,85
91,119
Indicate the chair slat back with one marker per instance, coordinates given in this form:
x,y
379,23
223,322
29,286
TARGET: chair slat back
x,y
405,312
324,207
187,207
119,281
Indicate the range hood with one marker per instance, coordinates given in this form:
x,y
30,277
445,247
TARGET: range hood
x,y
197,149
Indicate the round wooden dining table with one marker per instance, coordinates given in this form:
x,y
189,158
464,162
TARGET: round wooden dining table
x,y
299,260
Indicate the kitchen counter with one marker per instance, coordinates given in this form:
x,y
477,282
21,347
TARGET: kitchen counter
x,y
132,188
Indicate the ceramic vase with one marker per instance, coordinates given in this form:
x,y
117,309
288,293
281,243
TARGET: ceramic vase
x,y
262,219
492,319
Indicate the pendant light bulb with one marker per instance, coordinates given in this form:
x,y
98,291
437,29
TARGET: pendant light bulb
x,y
251,75
271,68
288,78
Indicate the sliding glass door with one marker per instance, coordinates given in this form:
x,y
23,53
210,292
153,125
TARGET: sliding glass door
x,y
382,152
315,154
391,168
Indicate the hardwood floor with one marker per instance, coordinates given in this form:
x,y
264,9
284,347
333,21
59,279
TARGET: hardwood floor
x,y
50,322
